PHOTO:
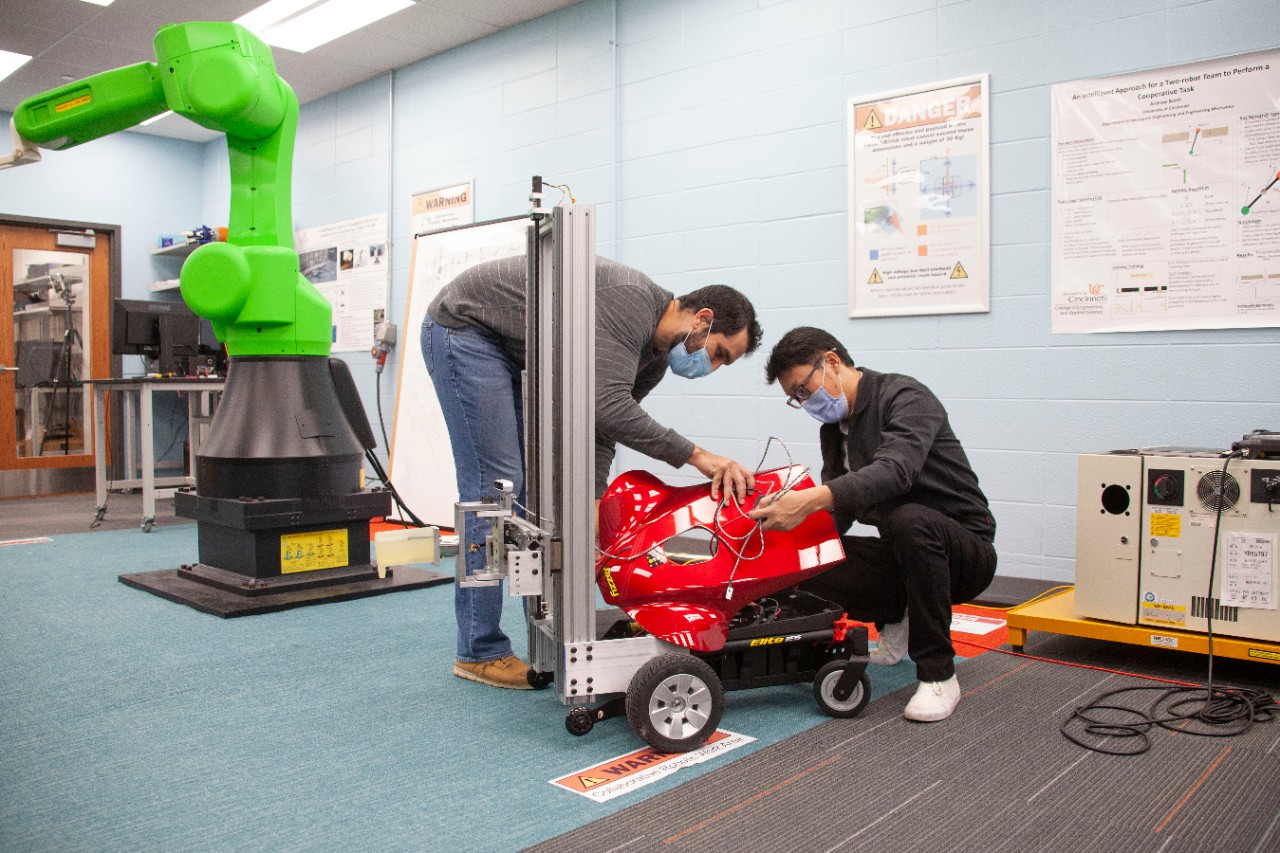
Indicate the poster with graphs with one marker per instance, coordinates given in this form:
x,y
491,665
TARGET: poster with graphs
x,y
1166,208
919,223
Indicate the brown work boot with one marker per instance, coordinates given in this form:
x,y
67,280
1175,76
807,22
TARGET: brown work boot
x,y
509,672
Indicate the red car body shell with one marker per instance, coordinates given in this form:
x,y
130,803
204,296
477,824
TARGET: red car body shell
x,y
692,603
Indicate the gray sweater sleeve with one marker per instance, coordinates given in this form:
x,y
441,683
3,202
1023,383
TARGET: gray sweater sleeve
x,y
627,313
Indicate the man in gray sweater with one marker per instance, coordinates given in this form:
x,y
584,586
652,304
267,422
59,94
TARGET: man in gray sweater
x,y
890,460
473,342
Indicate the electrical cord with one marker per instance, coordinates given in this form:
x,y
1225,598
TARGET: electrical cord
x,y
1048,593
1219,712
381,424
722,536
395,496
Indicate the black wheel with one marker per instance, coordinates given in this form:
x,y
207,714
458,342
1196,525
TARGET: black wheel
x,y
824,687
579,721
538,680
675,702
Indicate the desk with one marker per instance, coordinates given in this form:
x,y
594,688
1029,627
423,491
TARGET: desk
x,y
138,397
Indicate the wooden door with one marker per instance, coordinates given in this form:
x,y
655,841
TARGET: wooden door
x,y
60,335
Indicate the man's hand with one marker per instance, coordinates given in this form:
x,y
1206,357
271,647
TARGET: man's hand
x,y
724,473
788,510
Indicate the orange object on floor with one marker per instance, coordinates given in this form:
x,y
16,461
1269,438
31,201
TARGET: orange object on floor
x,y
974,630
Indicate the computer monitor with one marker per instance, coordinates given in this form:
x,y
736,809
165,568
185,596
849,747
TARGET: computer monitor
x,y
167,333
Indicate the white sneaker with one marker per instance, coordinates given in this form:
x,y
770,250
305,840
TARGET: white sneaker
x,y
892,644
934,701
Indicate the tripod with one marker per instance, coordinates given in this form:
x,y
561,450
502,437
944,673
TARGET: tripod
x,y
65,375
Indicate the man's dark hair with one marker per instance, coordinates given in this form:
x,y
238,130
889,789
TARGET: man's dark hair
x,y
802,345
733,311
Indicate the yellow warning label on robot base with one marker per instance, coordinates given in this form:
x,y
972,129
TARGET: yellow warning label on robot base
x,y
1264,654
307,552
1164,524
958,271
875,277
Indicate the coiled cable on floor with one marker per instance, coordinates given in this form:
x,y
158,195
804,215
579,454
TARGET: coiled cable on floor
x,y
1216,712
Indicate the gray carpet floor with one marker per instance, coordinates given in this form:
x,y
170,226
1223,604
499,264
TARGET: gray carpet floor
x,y
73,513
997,776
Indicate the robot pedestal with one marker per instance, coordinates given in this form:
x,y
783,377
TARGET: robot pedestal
x,y
279,523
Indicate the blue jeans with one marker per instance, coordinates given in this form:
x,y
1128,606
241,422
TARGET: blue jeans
x,y
478,385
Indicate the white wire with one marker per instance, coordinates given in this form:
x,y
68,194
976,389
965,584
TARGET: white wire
x,y
794,476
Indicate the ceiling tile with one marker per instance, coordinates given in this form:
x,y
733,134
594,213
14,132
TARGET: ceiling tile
x,y
75,39
500,13
32,41
61,15
95,55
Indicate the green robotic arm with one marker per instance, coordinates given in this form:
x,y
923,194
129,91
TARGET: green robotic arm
x,y
220,76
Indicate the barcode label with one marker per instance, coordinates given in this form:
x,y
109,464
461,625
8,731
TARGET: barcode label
x,y
1200,607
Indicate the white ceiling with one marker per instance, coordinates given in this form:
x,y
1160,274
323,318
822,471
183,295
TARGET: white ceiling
x,y
70,39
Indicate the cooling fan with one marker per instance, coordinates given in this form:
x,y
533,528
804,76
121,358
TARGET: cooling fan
x,y
1217,491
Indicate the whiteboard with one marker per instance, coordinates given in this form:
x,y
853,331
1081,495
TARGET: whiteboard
x,y
421,465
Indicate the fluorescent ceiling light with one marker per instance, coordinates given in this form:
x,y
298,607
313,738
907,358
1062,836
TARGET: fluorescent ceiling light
x,y
155,119
301,25
11,62
100,2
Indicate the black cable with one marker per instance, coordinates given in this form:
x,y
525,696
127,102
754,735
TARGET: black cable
x,y
378,386
395,496
1219,712
177,433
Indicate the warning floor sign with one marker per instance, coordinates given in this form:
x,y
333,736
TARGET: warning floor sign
x,y
625,773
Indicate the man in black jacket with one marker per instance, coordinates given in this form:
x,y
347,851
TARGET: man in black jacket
x,y
890,460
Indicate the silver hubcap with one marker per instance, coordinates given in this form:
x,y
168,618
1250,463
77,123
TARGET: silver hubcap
x,y
680,706
829,690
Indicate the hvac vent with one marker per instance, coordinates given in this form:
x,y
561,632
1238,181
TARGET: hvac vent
x,y
1218,492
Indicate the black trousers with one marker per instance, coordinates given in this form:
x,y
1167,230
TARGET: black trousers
x,y
925,563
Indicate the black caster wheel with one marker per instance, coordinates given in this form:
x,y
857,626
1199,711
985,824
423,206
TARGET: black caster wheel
x,y
824,686
675,702
579,721
146,524
539,680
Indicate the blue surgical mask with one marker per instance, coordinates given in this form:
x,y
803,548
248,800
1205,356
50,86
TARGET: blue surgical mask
x,y
690,365
823,406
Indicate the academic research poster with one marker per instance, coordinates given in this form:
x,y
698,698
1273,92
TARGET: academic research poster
x,y
1166,201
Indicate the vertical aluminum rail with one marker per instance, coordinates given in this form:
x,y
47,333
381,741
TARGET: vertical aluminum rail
x,y
560,425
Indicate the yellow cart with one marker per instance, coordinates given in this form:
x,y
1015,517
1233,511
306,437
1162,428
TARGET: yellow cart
x,y
1056,614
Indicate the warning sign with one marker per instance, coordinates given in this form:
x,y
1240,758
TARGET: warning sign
x,y
626,773
873,121
875,277
967,623
958,271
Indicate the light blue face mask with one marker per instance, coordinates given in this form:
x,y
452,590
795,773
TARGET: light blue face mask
x,y
823,406
690,365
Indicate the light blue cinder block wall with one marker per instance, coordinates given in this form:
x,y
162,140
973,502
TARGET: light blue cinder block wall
x,y
712,141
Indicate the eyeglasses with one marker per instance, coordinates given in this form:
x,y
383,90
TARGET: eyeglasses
x,y
802,392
